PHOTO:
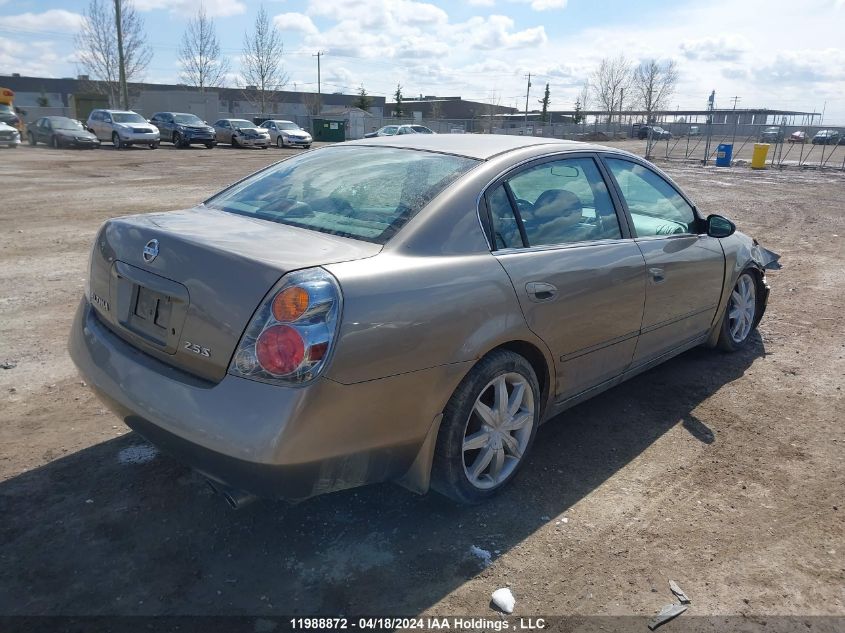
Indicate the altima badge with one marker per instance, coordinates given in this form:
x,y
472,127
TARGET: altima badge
x,y
150,251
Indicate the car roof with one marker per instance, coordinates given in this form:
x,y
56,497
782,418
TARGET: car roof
x,y
479,146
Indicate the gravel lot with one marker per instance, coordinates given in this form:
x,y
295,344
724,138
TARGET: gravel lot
x,y
722,472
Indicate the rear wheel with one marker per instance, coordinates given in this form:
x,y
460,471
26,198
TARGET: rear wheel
x,y
488,427
115,140
741,314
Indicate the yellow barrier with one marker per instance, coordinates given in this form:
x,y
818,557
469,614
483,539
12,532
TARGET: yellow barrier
x,y
758,158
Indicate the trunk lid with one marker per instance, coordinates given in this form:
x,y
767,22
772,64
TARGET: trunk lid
x,y
182,286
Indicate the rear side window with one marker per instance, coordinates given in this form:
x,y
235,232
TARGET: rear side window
x,y
559,202
366,193
655,206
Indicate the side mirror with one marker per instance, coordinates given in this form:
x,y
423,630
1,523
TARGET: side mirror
x,y
718,226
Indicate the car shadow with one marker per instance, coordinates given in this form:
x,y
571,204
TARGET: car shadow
x,y
117,529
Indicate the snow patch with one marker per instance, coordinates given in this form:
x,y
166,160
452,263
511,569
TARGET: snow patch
x,y
137,454
481,554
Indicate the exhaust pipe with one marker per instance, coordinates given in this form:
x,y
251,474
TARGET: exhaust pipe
x,y
234,498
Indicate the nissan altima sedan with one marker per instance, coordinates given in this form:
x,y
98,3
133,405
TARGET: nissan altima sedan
x,y
407,309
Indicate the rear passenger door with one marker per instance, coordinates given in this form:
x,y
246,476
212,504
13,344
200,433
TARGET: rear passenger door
x,y
685,267
579,278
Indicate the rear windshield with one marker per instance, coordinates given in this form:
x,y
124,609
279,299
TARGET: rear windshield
x,y
366,193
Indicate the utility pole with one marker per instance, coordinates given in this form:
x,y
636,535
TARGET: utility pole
x,y
319,92
736,118
124,90
711,104
527,91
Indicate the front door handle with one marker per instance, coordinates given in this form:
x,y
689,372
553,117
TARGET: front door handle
x,y
540,291
657,275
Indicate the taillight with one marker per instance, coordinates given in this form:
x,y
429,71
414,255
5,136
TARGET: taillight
x,y
290,336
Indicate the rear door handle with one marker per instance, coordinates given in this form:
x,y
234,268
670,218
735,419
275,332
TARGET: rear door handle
x,y
657,275
540,291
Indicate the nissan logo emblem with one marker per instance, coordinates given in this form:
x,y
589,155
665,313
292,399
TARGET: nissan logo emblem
x,y
150,251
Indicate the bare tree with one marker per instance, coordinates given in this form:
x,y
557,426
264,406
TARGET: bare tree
x,y
262,68
653,84
199,54
435,111
491,109
609,82
96,44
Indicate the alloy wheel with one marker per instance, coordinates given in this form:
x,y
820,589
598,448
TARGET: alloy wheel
x,y
742,308
498,430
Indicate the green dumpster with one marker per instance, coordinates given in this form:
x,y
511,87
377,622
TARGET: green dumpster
x,y
329,130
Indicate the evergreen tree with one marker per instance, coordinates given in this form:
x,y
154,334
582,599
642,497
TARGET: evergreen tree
x,y
397,96
363,100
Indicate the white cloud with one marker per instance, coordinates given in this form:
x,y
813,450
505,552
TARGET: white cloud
x,y
490,3
496,32
213,8
722,48
296,22
544,5
52,20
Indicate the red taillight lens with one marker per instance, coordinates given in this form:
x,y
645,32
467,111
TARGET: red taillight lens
x,y
280,350
289,339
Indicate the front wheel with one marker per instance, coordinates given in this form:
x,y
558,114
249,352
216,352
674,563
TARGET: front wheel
x,y
153,145
177,140
741,315
279,142
115,140
55,143
210,145
488,427
235,141
32,140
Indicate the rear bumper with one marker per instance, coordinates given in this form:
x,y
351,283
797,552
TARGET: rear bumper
x,y
268,440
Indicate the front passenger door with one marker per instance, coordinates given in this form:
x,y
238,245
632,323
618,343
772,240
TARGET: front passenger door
x,y
685,268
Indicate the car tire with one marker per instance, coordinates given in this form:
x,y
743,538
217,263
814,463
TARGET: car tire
x,y
279,142
209,145
479,447
235,141
153,145
741,314
307,147
32,140
115,140
54,142
177,141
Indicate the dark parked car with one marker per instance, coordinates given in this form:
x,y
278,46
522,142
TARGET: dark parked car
x,y
772,134
827,137
657,132
407,308
60,131
184,129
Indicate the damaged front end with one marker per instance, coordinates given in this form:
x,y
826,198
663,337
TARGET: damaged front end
x,y
767,259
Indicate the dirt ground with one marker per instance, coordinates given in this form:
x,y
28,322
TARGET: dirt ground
x,y
722,472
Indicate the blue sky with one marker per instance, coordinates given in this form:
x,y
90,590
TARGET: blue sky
x,y
773,53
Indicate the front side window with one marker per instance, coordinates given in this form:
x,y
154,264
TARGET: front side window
x,y
655,206
364,193
563,201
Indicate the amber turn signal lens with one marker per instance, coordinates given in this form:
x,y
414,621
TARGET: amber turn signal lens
x,y
290,304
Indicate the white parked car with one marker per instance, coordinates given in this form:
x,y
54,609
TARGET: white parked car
x,y
9,136
123,128
287,134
